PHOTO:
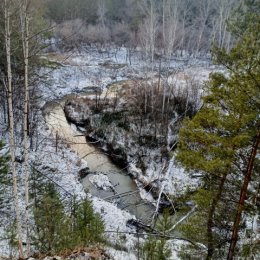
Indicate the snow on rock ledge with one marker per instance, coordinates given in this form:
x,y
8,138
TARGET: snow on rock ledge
x,y
101,181
115,222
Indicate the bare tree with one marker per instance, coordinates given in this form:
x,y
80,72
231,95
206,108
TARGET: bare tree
x,y
220,33
101,12
171,25
11,122
149,28
24,21
185,9
204,8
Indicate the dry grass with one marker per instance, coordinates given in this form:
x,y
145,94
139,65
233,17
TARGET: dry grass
x,y
62,58
93,253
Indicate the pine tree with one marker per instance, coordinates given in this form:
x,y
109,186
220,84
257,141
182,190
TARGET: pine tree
x,y
216,141
156,248
5,180
88,227
50,222
58,229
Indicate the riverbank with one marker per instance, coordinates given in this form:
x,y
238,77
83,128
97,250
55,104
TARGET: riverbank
x,y
114,126
104,179
55,158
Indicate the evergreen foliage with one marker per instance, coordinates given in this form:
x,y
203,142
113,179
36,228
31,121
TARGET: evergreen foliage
x,y
195,229
156,248
37,185
217,140
57,230
88,226
5,179
51,224
3,165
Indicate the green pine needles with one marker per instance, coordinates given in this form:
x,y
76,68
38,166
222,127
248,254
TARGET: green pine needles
x,y
57,230
5,178
220,140
157,247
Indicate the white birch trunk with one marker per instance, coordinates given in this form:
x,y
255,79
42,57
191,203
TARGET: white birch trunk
x,y
163,24
152,32
11,125
101,12
25,41
162,187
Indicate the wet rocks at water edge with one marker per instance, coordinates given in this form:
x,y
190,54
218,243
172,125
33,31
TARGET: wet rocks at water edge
x,y
83,173
101,181
139,225
76,112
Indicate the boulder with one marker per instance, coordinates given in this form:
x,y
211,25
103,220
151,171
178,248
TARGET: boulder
x,y
83,173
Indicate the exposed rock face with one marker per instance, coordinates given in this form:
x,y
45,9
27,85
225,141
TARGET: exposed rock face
x,y
83,173
139,225
77,113
119,138
117,155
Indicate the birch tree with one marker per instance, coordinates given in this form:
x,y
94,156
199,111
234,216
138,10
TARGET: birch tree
x,y
7,14
171,25
101,12
24,23
204,10
220,33
185,9
149,29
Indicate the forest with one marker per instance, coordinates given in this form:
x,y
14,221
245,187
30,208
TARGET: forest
x,y
130,129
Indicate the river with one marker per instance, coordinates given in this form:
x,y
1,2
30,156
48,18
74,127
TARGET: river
x,y
98,163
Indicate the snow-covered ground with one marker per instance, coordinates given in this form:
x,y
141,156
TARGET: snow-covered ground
x,y
78,73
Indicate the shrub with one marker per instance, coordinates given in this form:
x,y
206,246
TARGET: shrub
x,y
56,230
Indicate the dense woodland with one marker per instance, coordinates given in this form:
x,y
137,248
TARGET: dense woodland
x,y
158,26
218,131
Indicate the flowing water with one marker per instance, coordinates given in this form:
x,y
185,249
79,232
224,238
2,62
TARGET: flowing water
x,y
98,162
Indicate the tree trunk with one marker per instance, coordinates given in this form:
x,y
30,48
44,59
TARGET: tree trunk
x,y
215,201
25,43
11,125
163,25
210,222
243,193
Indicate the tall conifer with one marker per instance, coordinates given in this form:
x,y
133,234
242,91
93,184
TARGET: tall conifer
x,y
216,141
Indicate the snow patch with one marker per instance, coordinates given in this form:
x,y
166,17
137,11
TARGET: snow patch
x,y
101,181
